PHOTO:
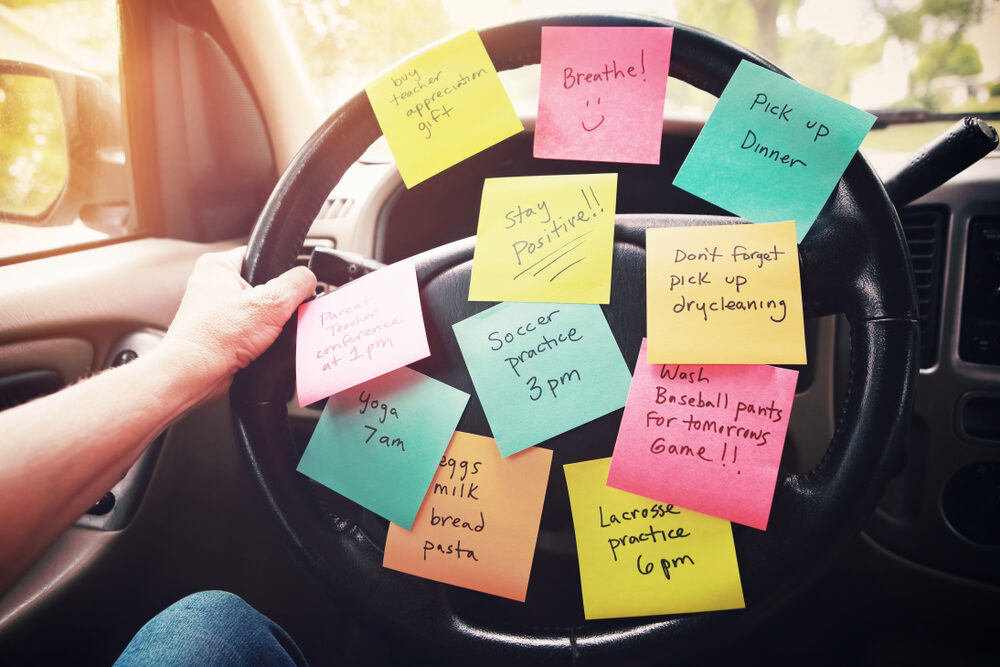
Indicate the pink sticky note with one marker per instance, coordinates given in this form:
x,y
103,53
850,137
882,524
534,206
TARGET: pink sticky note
x,y
602,92
705,437
366,328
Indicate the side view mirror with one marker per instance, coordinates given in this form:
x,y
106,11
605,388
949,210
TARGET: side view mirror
x,y
62,156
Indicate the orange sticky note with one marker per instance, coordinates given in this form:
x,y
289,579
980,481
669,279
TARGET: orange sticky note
x,y
478,524
726,294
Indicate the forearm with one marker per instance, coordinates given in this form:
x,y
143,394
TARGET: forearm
x,y
61,453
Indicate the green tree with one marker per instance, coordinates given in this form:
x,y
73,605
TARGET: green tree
x,y
937,29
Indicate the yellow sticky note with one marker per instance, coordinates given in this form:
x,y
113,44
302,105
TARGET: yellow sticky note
x,y
441,106
724,295
545,238
639,557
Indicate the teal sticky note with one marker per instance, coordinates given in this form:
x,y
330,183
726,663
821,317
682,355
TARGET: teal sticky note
x,y
541,369
380,442
773,149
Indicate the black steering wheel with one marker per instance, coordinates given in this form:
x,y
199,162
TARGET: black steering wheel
x,y
853,261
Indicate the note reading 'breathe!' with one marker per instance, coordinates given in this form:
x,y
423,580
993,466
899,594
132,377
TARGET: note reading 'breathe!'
x,y
479,522
640,557
773,149
545,238
724,295
359,331
602,92
379,443
708,438
441,106
541,369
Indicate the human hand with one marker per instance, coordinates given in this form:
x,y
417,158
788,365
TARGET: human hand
x,y
223,323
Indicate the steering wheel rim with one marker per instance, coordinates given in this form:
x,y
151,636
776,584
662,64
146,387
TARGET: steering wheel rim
x,y
853,261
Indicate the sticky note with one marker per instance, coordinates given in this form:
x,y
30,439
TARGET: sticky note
x,y
773,149
368,327
602,92
441,106
540,369
705,437
479,522
640,557
724,295
379,443
545,238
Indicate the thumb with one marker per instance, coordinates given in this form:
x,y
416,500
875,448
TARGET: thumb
x,y
283,294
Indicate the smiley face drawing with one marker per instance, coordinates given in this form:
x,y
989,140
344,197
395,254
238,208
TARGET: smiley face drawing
x,y
583,123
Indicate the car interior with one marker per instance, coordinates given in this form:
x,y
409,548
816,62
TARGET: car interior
x,y
884,541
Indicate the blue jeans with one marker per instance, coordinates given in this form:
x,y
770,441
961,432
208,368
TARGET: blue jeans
x,y
212,628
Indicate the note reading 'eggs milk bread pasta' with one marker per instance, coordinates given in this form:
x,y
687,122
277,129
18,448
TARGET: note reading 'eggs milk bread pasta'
x,y
478,525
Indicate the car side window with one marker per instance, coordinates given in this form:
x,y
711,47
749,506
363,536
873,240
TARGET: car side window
x,y
63,179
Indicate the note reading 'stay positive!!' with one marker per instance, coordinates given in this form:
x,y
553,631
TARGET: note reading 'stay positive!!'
x,y
368,327
640,557
545,238
773,149
441,106
708,438
602,92
540,369
379,443
724,295
478,525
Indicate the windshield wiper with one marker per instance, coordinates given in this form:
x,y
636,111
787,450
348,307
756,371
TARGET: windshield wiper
x,y
889,117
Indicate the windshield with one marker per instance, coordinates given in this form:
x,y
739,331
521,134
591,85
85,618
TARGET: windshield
x,y
934,55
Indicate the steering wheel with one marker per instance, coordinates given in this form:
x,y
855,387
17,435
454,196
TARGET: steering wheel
x,y
853,261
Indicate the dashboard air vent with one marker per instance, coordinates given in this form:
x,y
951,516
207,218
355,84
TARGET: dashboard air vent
x,y
924,228
335,207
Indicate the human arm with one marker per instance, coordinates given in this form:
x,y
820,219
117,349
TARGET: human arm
x,y
61,453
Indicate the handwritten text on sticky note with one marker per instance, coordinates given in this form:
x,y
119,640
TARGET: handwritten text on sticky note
x,y
541,369
602,91
705,437
545,238
773,149
479,522
639,557
379,443
724,295
442,106
359,331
